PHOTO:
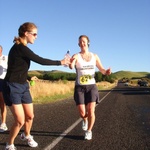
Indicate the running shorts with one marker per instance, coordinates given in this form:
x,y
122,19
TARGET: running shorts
x,y
84,94
16,93
1,84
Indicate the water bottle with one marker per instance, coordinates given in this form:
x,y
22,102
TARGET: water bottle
x,y
67,56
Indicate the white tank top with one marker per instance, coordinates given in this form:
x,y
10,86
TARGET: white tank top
x,y
3,66
85,70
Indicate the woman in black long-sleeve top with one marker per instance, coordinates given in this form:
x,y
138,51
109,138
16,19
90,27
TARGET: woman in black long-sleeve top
x,y
16,89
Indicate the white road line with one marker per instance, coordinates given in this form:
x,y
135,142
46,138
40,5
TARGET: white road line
x,y
105,96
57,140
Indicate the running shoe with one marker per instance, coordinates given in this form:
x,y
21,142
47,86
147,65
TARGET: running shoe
x,y
3,127
84,125
29,139
10,147
88,135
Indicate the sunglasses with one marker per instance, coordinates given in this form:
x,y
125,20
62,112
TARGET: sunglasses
x,y
34,34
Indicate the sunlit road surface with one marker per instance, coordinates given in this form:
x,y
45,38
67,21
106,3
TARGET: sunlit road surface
x,y
122,123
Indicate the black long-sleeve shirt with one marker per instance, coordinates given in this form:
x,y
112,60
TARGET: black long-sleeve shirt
x,y
19,63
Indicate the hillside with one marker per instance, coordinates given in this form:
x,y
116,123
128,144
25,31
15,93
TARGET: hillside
x,y
130,74
40,72
118,75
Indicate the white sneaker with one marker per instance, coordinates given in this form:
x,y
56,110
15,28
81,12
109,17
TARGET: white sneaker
x,y
29,139
3,127
88,135
84,125
10,147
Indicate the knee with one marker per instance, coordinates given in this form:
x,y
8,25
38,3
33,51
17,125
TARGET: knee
x,y
20,123
83,115
30,117
91,112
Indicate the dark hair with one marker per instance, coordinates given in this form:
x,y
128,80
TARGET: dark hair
x,y
27,26
1,47
85,37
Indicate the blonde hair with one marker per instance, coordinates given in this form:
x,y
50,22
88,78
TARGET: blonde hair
x,y
26,27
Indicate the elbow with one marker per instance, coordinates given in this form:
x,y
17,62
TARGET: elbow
x,y
71,66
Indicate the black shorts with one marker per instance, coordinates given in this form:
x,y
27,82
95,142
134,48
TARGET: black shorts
x,y
15,93
1,84
84,94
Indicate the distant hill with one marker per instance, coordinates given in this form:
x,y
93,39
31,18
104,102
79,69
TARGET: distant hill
x,y
41,72
118,75
130,74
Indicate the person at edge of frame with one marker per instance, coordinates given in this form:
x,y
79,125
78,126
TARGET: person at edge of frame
x,y
3,70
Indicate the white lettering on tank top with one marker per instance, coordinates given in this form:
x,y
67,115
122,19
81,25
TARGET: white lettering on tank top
x,y
3,66
85,71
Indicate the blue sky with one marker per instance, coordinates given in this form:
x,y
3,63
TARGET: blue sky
x,y
119,30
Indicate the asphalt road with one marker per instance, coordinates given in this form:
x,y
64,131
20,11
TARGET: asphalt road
x,y
122,123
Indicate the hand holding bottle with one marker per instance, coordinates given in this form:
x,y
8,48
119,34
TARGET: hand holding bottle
x,y
67,59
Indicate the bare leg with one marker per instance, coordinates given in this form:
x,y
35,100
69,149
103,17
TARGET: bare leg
x,y
18,113
91,115
82,111
3,109
29,115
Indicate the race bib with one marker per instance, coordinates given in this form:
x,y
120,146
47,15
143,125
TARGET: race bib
x,y
84,79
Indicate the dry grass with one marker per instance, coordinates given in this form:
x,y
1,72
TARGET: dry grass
x,y
105,85
48,91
